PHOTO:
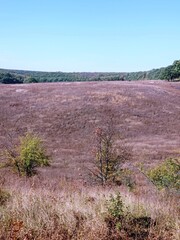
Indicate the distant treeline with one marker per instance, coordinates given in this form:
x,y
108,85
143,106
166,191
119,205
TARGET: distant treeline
x,y
171,72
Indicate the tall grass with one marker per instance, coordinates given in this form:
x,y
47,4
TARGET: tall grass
x,y
74,211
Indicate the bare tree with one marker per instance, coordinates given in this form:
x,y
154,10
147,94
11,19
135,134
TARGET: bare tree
x,y
108,160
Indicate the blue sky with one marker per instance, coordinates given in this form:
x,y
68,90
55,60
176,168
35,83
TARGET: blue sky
x,y
89,35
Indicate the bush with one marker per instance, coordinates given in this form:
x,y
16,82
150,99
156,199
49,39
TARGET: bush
x,y
121,221
166,175
115,206
115,215
28,155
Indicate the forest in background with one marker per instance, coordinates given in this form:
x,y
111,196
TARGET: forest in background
x,y
171,73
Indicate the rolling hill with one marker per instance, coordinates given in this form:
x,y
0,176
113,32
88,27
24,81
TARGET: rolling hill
x,y
145,113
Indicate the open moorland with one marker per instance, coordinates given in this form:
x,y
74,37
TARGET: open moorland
x,y
146,118
146,114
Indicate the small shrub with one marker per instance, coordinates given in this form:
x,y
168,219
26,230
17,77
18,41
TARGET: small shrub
x,y
28,155
115,214
166,175
115,206
121,221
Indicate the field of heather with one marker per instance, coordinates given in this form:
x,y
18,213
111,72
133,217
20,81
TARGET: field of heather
x,y
62,201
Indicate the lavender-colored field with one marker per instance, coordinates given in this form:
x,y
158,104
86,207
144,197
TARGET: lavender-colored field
x,y
145,113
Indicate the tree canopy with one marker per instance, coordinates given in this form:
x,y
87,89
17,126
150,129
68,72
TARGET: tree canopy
x,y
9,78
171,72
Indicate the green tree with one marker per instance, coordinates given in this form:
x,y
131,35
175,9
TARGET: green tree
x,y
171,72
167,73
8,78
28,155
176,66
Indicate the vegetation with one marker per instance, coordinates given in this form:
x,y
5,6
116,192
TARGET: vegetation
x,y
115,207
72,211
171,72
108,162
4,196
59,204
8,78
76,212
27,156
30,80
19,76
120,220
166,175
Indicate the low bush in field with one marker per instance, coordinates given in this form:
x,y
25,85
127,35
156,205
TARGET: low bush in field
x,y
27,155
166,175
120,219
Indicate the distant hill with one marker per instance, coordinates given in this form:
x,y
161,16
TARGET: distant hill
x,y
22,76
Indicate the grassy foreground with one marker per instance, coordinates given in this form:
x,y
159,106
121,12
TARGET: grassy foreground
x,y
73,211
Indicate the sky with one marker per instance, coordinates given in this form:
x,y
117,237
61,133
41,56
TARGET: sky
x,y
89,35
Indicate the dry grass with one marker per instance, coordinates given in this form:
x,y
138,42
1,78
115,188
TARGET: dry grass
x,y
74,211
65,115
145,113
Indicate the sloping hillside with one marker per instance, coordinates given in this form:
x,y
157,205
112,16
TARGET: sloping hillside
x,y
146,114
